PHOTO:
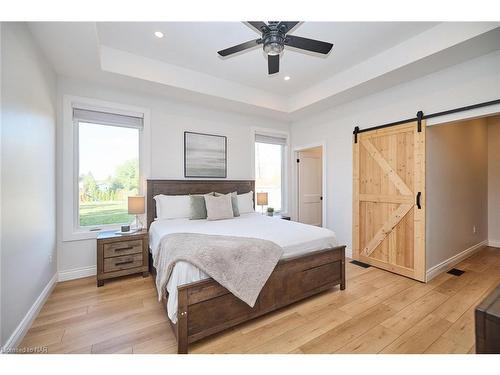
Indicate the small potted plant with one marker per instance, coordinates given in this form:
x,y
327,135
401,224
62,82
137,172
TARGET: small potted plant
x,y
270,211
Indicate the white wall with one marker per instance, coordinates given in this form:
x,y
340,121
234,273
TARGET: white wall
x,y
456,188
1,277
494,181
28,238
169,119
471,82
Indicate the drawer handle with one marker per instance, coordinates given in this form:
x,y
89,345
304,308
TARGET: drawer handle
x,y
122,263
124,248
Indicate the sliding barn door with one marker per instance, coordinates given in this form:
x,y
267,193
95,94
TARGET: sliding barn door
x,y
389,199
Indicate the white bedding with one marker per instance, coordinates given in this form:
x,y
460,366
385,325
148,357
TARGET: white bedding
x,y
295,239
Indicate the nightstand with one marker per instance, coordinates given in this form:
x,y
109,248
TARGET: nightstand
x,y
121,254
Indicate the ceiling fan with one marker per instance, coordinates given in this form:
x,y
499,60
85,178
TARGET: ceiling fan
x,y
274,38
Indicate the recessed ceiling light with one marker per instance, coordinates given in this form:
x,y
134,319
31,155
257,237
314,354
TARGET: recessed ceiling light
x,y
158,34
286,78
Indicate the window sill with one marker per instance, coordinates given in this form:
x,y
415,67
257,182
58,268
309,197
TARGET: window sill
x,y
87,234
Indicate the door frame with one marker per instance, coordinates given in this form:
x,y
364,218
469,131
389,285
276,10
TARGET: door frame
x,y
324,192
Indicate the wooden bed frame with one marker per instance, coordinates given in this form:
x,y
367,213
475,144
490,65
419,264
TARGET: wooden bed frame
x,y
205,307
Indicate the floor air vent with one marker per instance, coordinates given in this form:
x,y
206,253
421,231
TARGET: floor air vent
x,y
361,264
455,272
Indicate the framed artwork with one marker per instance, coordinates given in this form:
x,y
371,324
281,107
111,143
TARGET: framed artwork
x,y
205,155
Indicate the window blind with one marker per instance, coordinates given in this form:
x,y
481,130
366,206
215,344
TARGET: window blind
x,y
106,118
274,140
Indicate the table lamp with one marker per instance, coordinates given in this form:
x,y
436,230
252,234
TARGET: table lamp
x,y
136,207
262,200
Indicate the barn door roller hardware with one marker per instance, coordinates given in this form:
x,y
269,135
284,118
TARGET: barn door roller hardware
x,y
420,116
355,132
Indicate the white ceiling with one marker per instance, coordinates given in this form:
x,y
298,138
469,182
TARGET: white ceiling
x,y
194,45
366,58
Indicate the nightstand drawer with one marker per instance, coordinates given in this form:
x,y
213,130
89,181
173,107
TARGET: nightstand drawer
x,y
122,248
122,262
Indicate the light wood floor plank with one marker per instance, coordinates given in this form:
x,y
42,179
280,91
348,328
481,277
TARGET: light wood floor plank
x,y
415,312
408,296
246,341
127,340
419,337
467,296
336,338
374,298
372,341
294,338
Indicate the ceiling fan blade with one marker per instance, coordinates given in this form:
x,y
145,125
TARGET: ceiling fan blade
x,y
258,25
289,25
308,44
240,47
273,64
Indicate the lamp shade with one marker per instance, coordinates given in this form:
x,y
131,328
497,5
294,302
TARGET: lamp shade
x,y
262,199
136,205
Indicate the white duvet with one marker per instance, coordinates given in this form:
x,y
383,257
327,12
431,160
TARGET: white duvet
x,y
295,239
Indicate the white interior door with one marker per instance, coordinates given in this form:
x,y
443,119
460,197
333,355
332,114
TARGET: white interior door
x,y
310,186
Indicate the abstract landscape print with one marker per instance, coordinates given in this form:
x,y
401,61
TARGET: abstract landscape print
x,y
205,155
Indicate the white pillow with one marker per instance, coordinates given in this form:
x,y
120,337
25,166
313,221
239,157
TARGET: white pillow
x,y
245,203
219,207
172,206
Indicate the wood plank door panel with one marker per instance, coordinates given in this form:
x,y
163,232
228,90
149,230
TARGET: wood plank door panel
x,y
389,172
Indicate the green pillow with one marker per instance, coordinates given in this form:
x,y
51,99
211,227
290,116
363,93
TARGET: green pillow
x,y
234,202
198,209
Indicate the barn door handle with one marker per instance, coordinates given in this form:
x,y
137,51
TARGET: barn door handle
x,y
419,195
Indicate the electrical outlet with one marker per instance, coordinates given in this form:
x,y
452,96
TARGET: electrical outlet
x,y
474,229
50,258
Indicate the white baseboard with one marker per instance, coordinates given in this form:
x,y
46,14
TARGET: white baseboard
x,y
25,324
348,252
494,243
449,263
77,273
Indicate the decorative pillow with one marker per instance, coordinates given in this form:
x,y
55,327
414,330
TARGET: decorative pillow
x,y
198,207
245,203
234,202
172,206
219,208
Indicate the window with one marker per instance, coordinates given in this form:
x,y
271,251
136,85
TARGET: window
x,y
269,169
108,166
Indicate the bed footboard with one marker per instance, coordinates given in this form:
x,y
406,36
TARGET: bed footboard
x,y
205,307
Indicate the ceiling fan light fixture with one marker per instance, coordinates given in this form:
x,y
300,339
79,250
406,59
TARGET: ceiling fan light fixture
x,y
274,42
273,48
159,34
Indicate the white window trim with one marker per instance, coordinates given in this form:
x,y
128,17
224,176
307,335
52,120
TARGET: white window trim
x,y
285,162
69,184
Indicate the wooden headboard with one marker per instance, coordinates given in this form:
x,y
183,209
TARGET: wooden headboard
x,y
185,187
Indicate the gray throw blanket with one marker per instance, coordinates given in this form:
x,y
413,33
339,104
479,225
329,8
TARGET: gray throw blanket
x,y
242,265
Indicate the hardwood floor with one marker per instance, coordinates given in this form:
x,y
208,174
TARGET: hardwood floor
x,y
379,312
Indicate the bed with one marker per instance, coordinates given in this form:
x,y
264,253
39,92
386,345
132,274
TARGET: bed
x,y
198,306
